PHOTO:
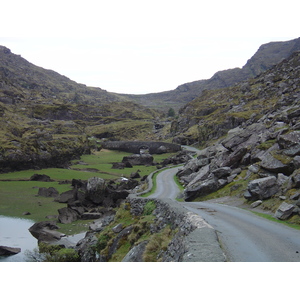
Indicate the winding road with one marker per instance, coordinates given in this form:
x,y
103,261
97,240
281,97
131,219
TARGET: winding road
x,y
244,236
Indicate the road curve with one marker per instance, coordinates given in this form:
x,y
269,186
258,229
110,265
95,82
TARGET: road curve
x,y
244,236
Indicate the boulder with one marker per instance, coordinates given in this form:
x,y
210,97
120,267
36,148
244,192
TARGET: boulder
x,y
65,197
203,188
96,188
134,175
284,211
262,188
256,203
7,251
289,140
40,177
296,180
67,215
270,163
48,192
222,172
45,231
136,253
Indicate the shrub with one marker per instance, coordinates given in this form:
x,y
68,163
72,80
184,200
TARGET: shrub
x,y
149,208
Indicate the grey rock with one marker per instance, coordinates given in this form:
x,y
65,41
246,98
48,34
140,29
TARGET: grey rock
x,y
7,251
67,215
96,188
136,253
284,211
261,189
256,203
45,231
118,228
222,172
47,192
272,164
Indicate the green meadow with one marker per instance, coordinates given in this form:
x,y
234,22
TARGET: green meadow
x,y
18,194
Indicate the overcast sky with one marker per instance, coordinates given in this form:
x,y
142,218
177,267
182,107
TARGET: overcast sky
x,y
143,46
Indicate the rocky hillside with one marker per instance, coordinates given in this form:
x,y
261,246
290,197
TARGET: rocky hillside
x,y
273,95
47,119
250,134
266,56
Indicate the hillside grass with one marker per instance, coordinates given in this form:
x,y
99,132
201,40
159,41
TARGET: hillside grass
x,y
18,194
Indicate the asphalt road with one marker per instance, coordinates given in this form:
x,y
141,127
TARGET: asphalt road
x,y
244,236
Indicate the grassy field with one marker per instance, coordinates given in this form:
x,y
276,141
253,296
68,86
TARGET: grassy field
x,y
19,195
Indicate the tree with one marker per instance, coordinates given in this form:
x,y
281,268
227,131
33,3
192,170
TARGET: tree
x,y
171,112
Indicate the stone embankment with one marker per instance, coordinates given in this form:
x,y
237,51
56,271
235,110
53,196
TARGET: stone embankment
x,y
195,240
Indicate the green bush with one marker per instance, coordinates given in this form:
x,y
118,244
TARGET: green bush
x,y
149,208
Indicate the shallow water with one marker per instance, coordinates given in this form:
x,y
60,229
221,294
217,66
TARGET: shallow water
x,y
14,233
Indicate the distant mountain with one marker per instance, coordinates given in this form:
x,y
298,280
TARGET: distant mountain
x,y
266,56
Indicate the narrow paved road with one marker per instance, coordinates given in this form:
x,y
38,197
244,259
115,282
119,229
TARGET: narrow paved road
x,y
244,236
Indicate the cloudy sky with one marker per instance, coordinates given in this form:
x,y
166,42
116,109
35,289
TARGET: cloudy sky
x,y
143,46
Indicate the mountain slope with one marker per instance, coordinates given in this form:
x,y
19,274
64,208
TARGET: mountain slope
x,y
215,112
266,56
47,119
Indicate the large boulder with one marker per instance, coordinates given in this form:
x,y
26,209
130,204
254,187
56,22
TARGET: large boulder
x,y
289,140
203,188
40,177
96,189
284,211
45,231
67,215
262,188
272,164
48,192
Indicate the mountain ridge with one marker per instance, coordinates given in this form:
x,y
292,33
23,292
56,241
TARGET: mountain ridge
x,y
266,56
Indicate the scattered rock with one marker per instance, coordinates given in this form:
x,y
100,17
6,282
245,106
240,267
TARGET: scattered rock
x,y
40,177
45,231
67,215
262,188
284,211
48,192
256,203
7,251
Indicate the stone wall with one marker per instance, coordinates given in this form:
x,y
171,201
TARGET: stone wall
x,y
195,240
136,146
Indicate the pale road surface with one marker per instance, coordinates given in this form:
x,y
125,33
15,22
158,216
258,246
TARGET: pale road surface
x,y
244,236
